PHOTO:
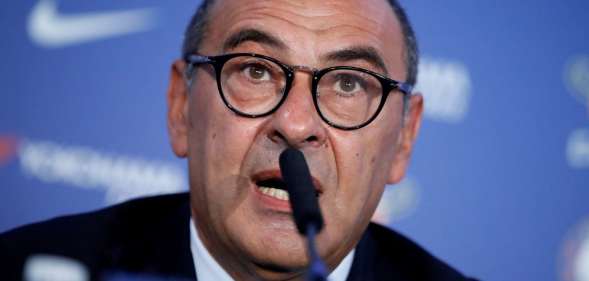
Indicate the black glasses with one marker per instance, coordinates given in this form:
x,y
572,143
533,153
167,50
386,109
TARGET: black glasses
x,y
254,85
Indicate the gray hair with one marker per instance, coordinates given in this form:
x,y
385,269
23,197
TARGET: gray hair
x,y
197,29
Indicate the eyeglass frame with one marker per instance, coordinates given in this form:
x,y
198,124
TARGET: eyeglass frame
x,y
219,61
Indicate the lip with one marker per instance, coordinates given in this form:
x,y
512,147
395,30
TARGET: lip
x,y
275,173
271,202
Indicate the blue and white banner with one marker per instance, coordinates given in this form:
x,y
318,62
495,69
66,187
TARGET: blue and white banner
x,y
499,181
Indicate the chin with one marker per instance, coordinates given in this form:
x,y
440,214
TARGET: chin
x,y
279,271
279,251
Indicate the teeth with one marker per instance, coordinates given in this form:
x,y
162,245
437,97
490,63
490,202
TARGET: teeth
x,y
274,192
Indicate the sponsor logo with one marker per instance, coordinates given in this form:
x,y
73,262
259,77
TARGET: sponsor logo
x,y
397,202
122,177
577,149
574,260
446,88
8,148
576,76
48,28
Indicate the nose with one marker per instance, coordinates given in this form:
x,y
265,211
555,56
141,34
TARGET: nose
x,y
296,123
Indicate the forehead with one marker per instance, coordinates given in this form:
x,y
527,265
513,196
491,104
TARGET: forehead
x,y
311,28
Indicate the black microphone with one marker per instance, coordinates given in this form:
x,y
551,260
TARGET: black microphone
x,y
305,208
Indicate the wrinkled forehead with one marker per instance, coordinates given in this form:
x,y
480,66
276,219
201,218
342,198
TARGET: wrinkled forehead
x,y
308,29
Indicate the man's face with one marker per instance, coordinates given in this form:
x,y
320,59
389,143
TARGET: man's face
x,y
252,234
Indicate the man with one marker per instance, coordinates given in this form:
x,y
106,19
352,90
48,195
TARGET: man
x,y
329,78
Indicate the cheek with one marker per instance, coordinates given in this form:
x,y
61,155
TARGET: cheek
x,y
363,166
219,141
221,138
368,157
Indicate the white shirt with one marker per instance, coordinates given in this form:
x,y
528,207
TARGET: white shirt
x,y
207,268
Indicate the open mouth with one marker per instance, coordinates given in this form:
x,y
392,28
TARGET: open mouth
x,y
275,187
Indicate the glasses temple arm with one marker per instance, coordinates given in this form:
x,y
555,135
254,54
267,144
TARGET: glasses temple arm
x,y
406,89
193,60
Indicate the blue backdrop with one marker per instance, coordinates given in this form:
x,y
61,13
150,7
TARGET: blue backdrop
x,y
498,184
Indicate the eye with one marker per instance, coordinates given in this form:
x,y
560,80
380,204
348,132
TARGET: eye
x,y
348,84
256,72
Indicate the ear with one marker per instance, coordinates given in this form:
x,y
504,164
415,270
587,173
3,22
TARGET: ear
x,y
177,98
409,131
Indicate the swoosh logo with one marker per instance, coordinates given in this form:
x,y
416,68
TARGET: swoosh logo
x,y
48,28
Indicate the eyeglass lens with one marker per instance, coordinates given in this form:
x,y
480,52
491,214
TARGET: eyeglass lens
x,y
345,97
348,97
252,85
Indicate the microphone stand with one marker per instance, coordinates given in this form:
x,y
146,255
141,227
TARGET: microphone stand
x,y
317,269
305,207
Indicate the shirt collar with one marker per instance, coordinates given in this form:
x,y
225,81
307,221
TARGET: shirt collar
x,y
207,268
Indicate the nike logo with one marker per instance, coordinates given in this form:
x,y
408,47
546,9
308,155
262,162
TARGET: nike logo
x,y
48,28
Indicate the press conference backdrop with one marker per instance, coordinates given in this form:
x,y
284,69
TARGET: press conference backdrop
x,y
499,180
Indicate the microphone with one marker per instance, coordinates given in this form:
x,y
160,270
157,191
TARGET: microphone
x,y
305,208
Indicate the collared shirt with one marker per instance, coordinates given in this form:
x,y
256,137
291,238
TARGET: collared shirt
x,y
207,268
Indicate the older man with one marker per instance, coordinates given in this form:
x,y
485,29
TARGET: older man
x,y
332,79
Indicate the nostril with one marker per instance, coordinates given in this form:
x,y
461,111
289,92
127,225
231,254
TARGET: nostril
x,y
312,139
278,137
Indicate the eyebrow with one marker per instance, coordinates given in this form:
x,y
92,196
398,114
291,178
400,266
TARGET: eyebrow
x,y
366,53
253,35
